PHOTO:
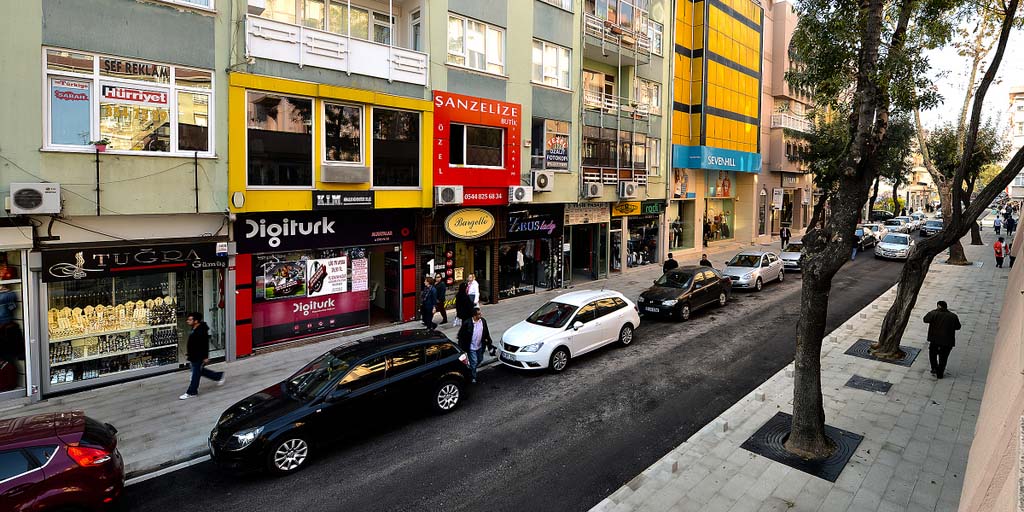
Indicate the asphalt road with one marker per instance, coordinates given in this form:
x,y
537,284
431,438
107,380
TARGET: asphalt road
x,y
539,442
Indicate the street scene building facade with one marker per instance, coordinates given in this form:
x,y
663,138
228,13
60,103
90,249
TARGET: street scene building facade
x,y
1016,135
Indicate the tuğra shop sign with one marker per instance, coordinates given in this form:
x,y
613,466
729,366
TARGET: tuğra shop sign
x,y
469,223
95,262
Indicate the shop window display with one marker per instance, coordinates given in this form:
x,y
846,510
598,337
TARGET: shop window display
x,y
12,339
643,241
518,264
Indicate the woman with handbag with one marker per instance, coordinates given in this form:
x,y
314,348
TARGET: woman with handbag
x,y
463,304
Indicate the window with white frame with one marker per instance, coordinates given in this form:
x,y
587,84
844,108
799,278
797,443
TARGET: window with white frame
x,y
649,93
134,106
564,4
551,64
336,16
476,146
279,140
655,31
202,4
476,45
343,133
654,157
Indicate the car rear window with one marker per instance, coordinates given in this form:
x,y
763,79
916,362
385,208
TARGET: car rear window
x,y
42,453
97,434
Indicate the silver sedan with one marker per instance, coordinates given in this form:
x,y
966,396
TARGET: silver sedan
x,y
751,269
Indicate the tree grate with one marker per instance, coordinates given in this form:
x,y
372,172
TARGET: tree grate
x,y
877,386
862,348
768,442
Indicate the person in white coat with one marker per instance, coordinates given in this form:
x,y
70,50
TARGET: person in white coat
x,y
473,290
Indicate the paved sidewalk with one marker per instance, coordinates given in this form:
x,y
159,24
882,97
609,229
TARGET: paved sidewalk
x,y
156,430
916,437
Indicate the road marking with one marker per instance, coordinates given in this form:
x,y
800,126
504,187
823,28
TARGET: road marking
x,y
169,469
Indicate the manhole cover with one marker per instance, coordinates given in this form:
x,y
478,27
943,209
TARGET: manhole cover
x,y
862,348
877,386
768,442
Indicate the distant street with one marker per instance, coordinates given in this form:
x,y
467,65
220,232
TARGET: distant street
x,y
536,441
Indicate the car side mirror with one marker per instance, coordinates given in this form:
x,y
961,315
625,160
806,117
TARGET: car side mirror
x,y
576,325
337,395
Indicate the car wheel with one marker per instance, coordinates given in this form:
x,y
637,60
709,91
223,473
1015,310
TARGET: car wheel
x,y
722,298
782,275
559,360
684,313
447,396
626,335
288,454
758,285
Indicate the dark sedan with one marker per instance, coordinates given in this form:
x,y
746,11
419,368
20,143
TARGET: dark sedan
x,y
866,237
680,291
280,427
931,227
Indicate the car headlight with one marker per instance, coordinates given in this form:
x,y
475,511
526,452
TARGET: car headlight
x,y
641,299
532,347
243,438
671,302
748,275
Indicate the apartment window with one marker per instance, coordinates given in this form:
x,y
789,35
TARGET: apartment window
x,y
549,144
396,148
648,94
599,90
551,64
343,133
416,32
602,147
476,45
655,31
137,106
654,157
476,146
336,16
343,19
630,14
563,4
382,24
203,4
279,140
1020,128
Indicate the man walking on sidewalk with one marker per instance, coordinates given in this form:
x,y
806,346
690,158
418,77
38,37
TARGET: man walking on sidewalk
x,y
428,302
704,261
669,264
997,225
784,235
942,327
1000,252
440,289
198,355
474,337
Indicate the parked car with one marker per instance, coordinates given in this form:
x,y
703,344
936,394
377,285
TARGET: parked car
x,y
281,427
750,269
919,218
790,255
878,229
880,215
59,461
680,291
569,326
897,226
867,238
911,223
938,214
931,226
895,246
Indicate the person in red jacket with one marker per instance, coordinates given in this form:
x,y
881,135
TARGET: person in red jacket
x,y
1000,251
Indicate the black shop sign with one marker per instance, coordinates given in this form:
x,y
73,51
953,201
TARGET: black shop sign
x,y
535,222
292,231
95,262
343,199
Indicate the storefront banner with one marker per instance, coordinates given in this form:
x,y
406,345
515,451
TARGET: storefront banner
x,y
326,277
343,200
788,180
70,111
279,320
777,198
360,275
681,188
704,157
556,152
587,213
94,262
720,184
133,95
469,223
626,208
535,222
652,207
289,231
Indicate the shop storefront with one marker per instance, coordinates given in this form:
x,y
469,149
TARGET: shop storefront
x,y
719,206
459,242
116,312
639,223
681,211
586,241
308,273
530,258
15,243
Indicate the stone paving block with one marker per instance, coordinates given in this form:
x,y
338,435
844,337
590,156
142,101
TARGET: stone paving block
x,y
746,504
719,503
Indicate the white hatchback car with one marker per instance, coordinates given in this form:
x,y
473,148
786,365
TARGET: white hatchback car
x,y
568,326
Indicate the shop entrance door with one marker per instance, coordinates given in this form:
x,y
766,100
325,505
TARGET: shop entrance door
x,y
482,269
393,285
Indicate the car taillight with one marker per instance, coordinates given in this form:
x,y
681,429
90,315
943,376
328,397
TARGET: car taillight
x,y
85,456
464,358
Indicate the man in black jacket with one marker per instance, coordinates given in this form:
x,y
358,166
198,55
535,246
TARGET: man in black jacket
x,y
474,337
942,327
198,355
669,264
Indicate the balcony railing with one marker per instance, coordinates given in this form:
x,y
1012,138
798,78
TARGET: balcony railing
x,y
792,122
616,105
609,176
618,34
285,42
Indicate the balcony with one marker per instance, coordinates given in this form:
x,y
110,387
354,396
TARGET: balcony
x,y
614,44
609,111
286,42
792,122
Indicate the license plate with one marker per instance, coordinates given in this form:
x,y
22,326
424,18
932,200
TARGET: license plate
x,y
508,357
650,309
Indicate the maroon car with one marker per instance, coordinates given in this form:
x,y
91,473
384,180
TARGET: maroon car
x,y
58,461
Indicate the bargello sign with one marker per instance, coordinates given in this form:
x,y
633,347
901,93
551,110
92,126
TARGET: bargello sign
x,y
469,223
94,262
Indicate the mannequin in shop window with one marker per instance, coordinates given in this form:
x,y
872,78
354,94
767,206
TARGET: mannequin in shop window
x,y
725,224
12,343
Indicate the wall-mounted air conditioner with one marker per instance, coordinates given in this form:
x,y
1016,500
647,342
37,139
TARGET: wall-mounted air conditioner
x,y
543,181
628,189
448,194
35,198
592,190
520,194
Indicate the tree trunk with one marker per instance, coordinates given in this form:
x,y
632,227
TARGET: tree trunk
x,y
896,197
896,319
957,256
874,197
807,437
976,234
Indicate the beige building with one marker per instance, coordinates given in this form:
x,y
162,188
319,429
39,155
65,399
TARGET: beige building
x,y
1016,116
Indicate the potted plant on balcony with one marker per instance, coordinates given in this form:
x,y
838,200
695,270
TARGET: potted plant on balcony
x,y
100,145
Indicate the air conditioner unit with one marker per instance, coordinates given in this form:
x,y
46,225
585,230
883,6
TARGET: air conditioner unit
x,y
543,181
592,190
520,194
628,189
256,7
35,198
448,194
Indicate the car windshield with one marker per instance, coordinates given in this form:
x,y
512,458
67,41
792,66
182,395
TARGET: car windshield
x,y
893,223
934,223
675,280
794,247
552,314
317,375
895,239
745,260
859,232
